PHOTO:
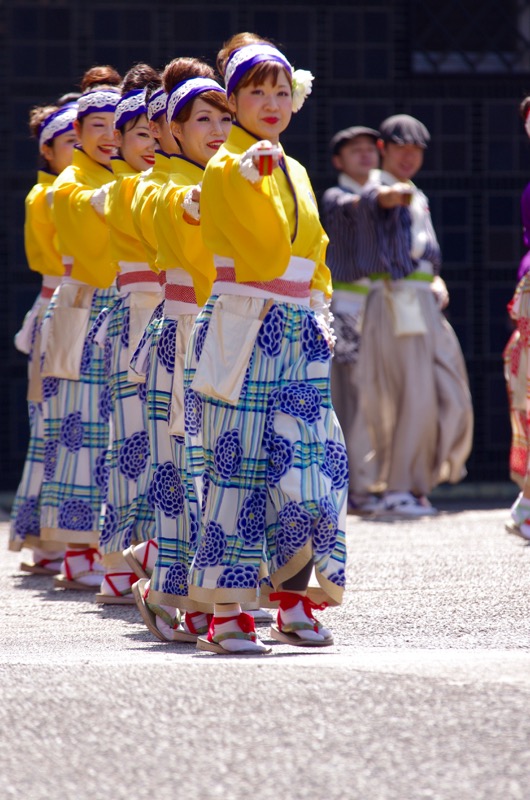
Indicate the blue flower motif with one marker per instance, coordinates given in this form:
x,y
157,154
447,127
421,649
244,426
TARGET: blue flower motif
x,y
110,524
105,403
71,435
27,522
133,456
241,576
268,432
338,577
281,456
168,491
228,454
167,345
50,458
205,490
335,464
75,515
314,344
192,412
251,519
176,580
141,391
86,357
151,497
325,531
301,399
199,339
107,358
32,411
294,528
50,388
127,536
125,328
102,472
271,332
193,532
211,547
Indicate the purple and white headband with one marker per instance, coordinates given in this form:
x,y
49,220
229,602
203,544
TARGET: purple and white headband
x,y
185,91
249,56
131,105
101,100
156,105
57,123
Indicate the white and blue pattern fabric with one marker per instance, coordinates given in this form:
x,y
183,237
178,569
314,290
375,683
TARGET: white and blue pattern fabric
x,y
276,466
128,514
77,438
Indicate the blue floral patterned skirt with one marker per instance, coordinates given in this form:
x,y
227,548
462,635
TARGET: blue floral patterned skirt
x,y
276,469
127,516
25,513
172,490
76,430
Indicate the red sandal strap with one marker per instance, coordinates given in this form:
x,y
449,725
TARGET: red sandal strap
x,y
145,559
245,623
89,553
132,579
191,616
289,600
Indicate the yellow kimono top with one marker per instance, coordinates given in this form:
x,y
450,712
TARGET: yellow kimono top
x,y
125,244
261,225
144,201
180,242
81,233
39,230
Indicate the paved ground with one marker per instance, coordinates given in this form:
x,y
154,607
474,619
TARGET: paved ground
x,y
426,693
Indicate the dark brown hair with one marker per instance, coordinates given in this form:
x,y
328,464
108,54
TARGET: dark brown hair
x,y
38,115
99,77
258,74
182,69
139,76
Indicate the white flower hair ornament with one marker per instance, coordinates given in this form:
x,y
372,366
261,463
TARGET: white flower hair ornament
x,y
302,81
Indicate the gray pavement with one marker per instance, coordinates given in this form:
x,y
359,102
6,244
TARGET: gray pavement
x,y
426,693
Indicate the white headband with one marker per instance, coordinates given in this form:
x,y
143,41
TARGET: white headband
x,y
57,123
185,91
101,100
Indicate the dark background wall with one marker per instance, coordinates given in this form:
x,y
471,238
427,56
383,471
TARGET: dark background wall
x,y
460,66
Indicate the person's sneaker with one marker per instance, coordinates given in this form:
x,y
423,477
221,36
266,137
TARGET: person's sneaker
x,y
363,504
522,530
404,504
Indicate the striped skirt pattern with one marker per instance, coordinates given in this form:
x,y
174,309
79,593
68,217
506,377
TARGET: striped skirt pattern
x,y
276,469
76,425
127,516
25,512
171,490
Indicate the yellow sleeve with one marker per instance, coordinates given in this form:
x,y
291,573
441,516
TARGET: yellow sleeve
x,y
82,234
244,221
118,205
321,279
184,238
143,209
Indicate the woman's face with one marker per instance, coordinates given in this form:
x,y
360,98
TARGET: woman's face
x,y
264,110
204,132
96,136
162,133
137,144
402,160
58,153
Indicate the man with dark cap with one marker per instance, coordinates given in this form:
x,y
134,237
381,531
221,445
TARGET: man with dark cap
x,y
353,154
410,373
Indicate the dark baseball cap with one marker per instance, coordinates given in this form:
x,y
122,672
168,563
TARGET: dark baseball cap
x,y
402,129
348,134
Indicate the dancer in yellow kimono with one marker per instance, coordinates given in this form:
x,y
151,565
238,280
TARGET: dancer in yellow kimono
x,y
276,471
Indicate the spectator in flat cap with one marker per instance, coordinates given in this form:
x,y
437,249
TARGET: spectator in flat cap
x,y
353,154
411,372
